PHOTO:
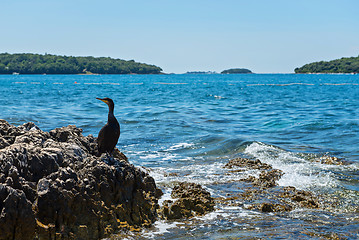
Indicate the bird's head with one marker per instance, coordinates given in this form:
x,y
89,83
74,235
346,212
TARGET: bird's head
x,y
108,101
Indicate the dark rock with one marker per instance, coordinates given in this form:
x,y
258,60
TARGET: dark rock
x,y
191,200
247,163
270,207
56,178
64,133
302,198
268,179
3,143
17,220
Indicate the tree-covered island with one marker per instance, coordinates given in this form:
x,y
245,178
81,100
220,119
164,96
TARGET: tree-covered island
x,y
343,65
236,71
28,63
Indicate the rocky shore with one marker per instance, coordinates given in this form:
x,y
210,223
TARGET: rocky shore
x,y
53,186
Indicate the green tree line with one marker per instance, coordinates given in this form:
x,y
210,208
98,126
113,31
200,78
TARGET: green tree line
x,y
28,63
236,70
343,65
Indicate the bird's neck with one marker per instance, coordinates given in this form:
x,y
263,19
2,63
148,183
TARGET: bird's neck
x,y
110,114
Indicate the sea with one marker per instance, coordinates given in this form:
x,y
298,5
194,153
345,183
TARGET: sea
x,y
186,127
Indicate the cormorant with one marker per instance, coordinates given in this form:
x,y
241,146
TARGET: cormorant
x,y
109,134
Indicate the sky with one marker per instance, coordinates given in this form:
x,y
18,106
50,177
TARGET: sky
x,y
265,36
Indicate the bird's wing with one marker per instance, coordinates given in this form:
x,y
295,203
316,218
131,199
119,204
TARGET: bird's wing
x,y
101,138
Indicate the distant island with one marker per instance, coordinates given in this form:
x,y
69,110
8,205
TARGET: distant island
x,y
28,63
343,65
236,71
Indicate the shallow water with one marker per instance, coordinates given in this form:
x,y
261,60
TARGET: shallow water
x,y
191,125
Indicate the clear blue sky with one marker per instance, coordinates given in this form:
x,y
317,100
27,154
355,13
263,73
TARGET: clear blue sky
x,y
266,36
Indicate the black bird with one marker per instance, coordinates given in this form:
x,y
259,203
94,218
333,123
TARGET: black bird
x,y
109,134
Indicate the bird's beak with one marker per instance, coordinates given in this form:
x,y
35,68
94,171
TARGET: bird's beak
x,y
103,100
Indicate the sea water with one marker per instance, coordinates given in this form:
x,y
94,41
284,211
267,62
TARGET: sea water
x,y
187,127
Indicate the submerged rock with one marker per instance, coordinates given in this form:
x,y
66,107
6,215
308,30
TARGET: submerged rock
x,y
269,207
53,185
191,200
278,199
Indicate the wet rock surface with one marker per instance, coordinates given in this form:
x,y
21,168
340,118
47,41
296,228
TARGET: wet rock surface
x,y
191,200
278,199
52,185
247,163
262,193
325,159
266,179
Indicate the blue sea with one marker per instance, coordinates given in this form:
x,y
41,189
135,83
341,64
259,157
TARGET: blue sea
x,y
187,127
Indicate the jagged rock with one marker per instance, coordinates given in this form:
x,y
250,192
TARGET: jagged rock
x,y
17,220
56,178
268,178
3,143
191,200
247,163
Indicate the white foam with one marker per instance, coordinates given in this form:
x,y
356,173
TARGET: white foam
x,y
340,84
166,196
167,83
200,173
110,83
298,172
227,212
150,155
213,215
160,227
180,146
165,154
217,96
